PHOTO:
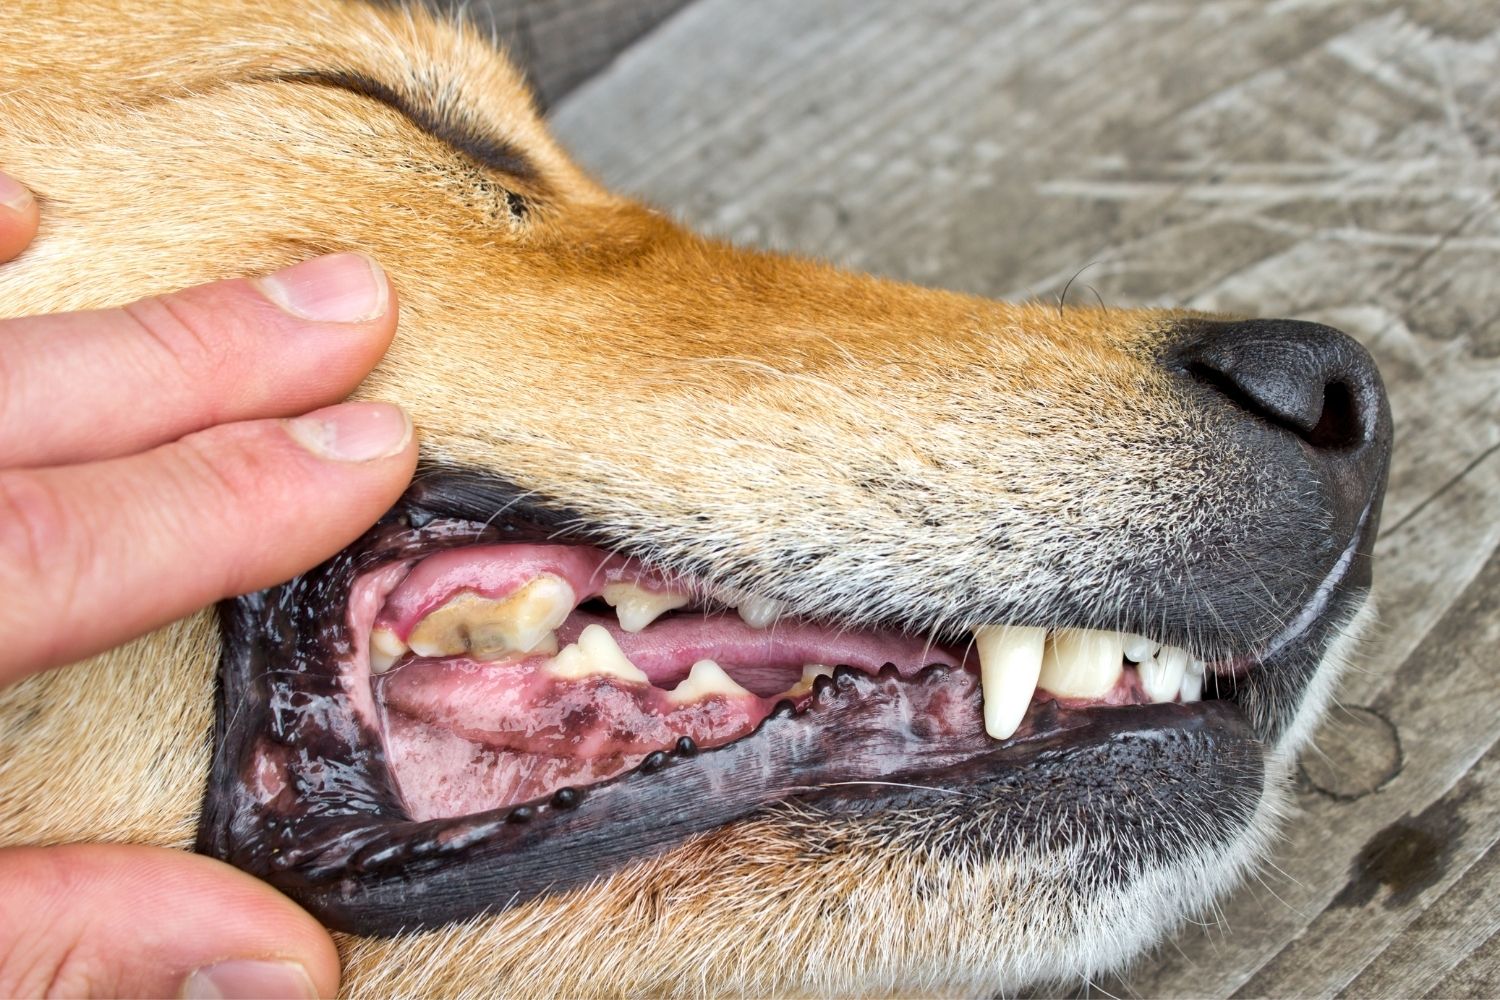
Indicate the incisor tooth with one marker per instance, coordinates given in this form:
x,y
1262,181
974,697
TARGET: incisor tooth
x,y
1162,676
521,622
1082,662
1010,661
595,653
385,649
758,612
1139,649
637,607
1192,688
706,678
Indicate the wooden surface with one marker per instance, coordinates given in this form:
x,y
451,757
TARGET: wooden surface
x,y
1335,161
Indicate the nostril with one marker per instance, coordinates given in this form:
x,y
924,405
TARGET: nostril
x,y
1309,379
1333,423
1338,426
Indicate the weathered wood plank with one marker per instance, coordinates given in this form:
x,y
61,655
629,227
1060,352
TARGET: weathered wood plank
x,y
561,43
1336,161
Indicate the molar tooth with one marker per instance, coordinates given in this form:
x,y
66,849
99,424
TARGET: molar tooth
x,y
1162,677
1139,649
595,653
521,622
637,607
1010,661
1082,662
705,679
385,649
758,612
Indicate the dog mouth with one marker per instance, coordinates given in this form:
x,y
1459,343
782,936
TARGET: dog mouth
x,y
464,711
502,675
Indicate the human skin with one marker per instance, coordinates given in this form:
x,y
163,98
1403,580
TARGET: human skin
x,y
118,517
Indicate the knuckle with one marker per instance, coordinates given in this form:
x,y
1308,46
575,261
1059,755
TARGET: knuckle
x,y
37,539
186,340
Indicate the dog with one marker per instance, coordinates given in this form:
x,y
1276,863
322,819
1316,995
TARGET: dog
x,y
752,627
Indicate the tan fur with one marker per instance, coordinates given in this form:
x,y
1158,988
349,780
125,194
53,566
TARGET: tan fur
x,y
654,380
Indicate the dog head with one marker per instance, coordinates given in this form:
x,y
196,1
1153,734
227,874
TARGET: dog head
x,y
753,626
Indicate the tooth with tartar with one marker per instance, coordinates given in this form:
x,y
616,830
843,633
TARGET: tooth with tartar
x,y
521,622
637,607
1139,649
1082,663
758,612
810,673
1010,661
1192,688
595,654
1162,676
385,649
705,679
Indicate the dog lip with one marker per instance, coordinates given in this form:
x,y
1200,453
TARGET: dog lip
x,y
330,830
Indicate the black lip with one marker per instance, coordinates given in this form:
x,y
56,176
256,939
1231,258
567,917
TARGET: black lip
x,y
336,839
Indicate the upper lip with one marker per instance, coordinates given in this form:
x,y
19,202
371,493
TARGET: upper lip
x,y
341,841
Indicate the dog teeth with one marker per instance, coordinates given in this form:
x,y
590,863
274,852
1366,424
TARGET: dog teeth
x,y
521,622
1082,663
1192,688
758,612
1010,661
385,649
636,607
706,679
595,654
1162,674
1139,649
810,673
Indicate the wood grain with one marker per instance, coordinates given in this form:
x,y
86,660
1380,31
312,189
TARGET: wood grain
x,y
1335,161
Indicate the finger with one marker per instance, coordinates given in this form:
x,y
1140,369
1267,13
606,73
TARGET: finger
x,y
18,218
72,385
92,555
116,920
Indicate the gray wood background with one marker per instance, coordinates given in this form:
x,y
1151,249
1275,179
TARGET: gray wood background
x,y
1335,160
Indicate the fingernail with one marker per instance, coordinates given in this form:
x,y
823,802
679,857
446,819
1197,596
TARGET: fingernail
x,y
339,288
353,432
239,977
13,194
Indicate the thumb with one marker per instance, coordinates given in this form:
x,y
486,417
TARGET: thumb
x,y
114,920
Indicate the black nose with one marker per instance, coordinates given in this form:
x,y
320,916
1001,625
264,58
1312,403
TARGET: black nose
x,y
1308,380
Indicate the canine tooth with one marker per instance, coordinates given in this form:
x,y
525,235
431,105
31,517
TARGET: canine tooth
x,y
1010,661
595,653
637,607
1162,677
521,622
1082,662
1196,667
705,679
1139,649
385,649
1192,688
758,612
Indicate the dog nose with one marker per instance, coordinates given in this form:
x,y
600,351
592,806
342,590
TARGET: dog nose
x,y
1308,379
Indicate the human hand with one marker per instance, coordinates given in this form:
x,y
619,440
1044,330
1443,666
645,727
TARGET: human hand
x,y
154,459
